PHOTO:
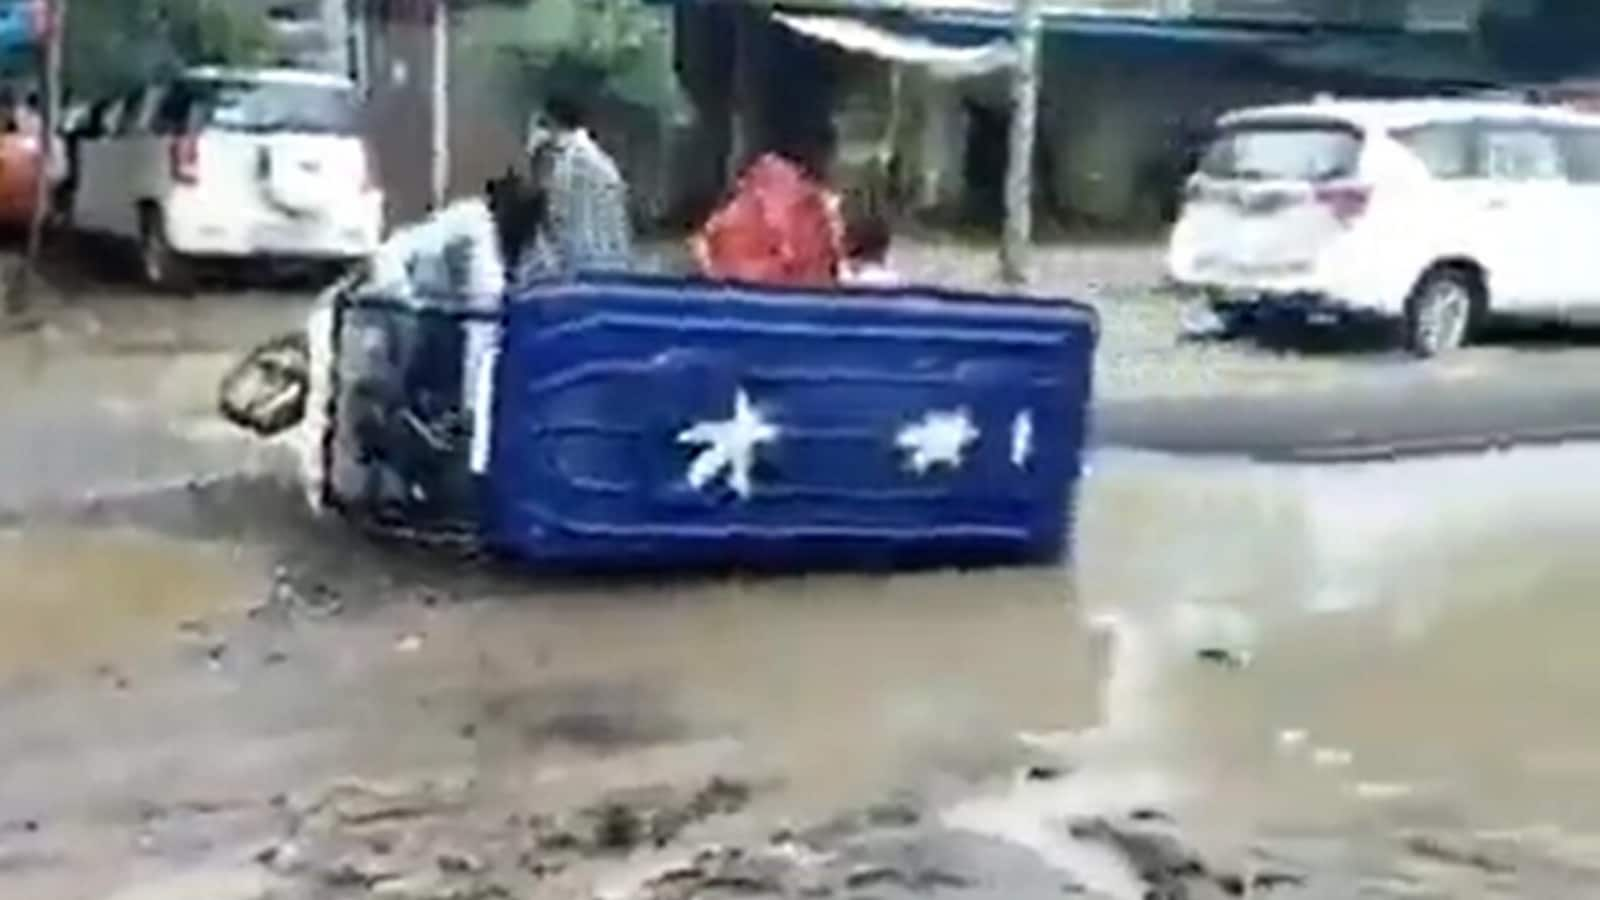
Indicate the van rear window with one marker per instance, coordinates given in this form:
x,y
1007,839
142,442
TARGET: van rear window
x,y
259,107
1283,151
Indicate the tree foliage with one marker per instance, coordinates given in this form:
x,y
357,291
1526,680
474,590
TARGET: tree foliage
x,y
112,45
620,49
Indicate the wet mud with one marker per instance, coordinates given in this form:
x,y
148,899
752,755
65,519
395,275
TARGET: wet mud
x,y
1257,680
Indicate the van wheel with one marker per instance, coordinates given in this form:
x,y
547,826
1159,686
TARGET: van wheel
x,y
1442,311
161,266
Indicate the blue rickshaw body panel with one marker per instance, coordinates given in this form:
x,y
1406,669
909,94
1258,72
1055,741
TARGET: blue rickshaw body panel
x,y
663,422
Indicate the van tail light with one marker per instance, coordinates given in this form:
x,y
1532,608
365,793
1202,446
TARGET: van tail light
x,y
1347,202
184,156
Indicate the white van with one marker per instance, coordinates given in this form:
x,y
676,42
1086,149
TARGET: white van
x,y
231,164
1432,213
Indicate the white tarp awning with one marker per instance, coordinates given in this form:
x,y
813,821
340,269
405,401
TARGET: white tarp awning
x,y
941,60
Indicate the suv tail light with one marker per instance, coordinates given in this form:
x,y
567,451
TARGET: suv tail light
x,y
1347,202
184,156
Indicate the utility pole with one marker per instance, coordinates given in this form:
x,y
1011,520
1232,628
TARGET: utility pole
x,y
1015,245
359,14
439,106
51,25
334,17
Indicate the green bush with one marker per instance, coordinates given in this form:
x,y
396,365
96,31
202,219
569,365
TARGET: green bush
x,y
619,50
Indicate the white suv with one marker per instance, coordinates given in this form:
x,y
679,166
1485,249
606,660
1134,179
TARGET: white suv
x,y
1433,213
223,163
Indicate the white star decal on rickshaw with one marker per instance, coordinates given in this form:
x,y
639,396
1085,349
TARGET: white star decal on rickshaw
x,y
939,439
728,447
1022,439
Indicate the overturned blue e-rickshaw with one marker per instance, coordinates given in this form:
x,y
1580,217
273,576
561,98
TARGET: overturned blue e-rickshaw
x,y
624,422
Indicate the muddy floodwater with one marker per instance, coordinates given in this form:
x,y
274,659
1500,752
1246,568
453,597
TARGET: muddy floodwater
x,y
1377,675
170,688
1347,663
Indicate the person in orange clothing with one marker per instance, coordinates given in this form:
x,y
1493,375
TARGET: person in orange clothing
x,y
782,225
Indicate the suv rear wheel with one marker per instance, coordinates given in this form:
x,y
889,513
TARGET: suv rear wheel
x,y
1442,312
161,266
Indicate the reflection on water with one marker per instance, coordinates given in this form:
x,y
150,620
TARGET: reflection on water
x,y
1419,639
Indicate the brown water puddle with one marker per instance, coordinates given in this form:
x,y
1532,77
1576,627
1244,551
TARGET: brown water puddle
x,y
74,597
847,687
843,689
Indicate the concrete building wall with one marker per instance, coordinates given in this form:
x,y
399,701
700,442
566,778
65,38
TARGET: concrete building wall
x,y
487,126
1110,141
399,65
932,145
1113,131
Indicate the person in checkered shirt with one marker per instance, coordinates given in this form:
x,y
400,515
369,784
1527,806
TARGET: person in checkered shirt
x,y
585,224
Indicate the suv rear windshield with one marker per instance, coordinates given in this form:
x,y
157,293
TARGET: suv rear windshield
x,y
1288,151
259,107
1580,149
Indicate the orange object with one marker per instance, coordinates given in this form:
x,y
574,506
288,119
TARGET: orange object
x,y
20,159
780,227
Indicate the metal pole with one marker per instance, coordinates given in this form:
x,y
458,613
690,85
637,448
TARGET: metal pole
x,y
439,103
359,17
1018,236
336,31
19,293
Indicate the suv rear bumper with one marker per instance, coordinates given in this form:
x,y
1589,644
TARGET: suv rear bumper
x,y
1302,306
194,230
1309,309
269,243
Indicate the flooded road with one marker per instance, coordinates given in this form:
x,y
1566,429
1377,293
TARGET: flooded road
x,y
168,694
72,597
1321,661
1373,675
1361,653
114,396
